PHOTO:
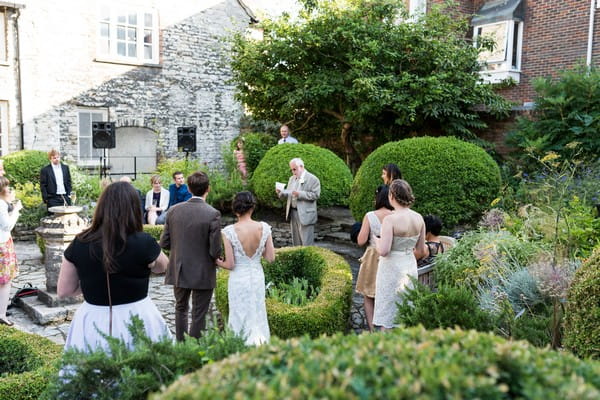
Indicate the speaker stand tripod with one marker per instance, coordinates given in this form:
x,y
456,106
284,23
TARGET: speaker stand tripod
x,y
103,165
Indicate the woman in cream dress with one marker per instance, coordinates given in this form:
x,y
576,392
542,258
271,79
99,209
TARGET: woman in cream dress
x,y
402,242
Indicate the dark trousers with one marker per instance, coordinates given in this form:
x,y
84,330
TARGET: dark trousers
x,y
200,303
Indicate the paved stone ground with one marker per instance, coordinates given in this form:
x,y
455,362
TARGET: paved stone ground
x,y
32,270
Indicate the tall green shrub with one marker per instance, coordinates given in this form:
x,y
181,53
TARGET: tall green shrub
x,y
567,109
450,178
24,166
582,315
333,173
403,364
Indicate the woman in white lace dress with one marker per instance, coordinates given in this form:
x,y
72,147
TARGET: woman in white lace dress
x,y
402,239
246,242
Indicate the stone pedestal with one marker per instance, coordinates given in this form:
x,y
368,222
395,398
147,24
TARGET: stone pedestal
x,y
58,231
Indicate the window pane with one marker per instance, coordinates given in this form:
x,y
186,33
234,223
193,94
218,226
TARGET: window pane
x,y
105,14
96,153
147,36
121,48
105,30
97,117
515,49
85,147
132,19
497,33
121,32
131,34
148,52
132,50
85,127
121,19
148,20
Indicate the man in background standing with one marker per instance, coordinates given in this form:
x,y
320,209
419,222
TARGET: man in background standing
x,y
55,181
302,192
192,233
284,131
178,193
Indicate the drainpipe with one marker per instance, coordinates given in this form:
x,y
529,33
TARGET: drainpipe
x,y
16,16
588,61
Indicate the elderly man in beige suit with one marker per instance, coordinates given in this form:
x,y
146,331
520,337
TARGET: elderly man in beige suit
x,y
192,233
303,191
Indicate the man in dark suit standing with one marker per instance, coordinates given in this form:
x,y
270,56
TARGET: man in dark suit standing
x,y
55,181
192,233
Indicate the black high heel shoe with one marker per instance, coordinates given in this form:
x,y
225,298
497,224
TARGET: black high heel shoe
x,y
6,322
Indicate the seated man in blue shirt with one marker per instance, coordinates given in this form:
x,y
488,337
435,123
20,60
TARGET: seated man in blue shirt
x,y
178,193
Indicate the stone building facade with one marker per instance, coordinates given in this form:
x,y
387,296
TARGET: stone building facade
x,y
150,66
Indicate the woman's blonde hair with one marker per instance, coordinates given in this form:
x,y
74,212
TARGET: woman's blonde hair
x,y
4,183
401,191
154,179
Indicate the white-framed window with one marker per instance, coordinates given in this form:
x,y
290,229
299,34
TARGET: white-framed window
x,y
3,128
3,35
87,155
128,36
504,60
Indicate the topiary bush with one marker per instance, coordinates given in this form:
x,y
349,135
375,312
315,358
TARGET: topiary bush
x,y
582,315
331,170
26,361
402,364
450,178
327,313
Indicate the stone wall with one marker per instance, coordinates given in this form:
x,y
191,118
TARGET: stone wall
x,y
188,87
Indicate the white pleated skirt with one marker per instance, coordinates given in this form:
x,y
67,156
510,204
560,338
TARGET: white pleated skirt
x,y
90,320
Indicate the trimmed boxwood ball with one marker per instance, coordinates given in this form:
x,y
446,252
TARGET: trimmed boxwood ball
x,y
582,315
402,364
327,313
331,170
450,178
26,362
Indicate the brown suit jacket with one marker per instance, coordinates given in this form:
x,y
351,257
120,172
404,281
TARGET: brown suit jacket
x,y
192,233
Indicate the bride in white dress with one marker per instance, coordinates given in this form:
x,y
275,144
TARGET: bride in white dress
x,y
246,242
402,242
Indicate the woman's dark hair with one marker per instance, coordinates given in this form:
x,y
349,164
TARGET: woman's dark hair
x,y
243,202
393,171
433,224
402,192
381,198
117,216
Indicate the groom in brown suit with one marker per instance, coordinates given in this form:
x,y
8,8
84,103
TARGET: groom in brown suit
x,y
192,233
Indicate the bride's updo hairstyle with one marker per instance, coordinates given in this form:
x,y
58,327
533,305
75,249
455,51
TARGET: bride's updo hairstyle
x,y
401,191
243,202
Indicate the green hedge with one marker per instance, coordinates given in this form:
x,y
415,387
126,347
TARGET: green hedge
x,y
26,362
450,178
403,364
25,165
327,313
582,316
331,170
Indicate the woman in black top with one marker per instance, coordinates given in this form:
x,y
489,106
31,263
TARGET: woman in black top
x,y
110,264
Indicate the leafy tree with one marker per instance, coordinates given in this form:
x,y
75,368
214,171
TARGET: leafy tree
x,y
357,68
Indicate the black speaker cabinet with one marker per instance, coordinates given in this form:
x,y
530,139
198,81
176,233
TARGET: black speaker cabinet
x,y
186,139
103,135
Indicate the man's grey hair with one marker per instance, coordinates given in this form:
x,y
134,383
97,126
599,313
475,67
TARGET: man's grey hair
x,y
297,161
